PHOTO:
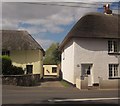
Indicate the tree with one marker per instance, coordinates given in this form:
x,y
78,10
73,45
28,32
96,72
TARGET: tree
x,y
52,55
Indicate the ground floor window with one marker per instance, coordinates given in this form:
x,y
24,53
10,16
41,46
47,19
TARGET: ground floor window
x,y
114,71
29,69
54,69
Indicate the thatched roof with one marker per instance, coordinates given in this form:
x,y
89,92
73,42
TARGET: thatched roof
x,y
18,40
95,25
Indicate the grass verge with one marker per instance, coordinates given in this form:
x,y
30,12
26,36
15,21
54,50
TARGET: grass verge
x,y
65,84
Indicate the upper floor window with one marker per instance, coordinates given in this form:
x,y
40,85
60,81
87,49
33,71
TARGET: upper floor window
x,y
6,52
113,46
114,71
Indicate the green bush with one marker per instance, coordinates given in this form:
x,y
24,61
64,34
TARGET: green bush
x,y
16,70
8,68
6,65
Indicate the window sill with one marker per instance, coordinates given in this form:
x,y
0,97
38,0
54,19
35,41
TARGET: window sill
x,y
113,53
114,78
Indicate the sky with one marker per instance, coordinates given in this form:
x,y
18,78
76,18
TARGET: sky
x,y
48,22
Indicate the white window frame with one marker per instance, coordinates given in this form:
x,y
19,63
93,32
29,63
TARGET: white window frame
x,y
113,46
114,71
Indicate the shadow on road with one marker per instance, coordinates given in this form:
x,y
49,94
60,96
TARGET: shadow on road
x,y
50,78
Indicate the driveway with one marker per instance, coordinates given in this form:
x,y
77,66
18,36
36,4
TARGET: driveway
x,y
51,82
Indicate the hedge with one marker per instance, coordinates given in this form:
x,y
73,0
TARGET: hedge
x,y
8,68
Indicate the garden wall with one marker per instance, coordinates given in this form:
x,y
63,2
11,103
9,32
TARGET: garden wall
x,y
21,80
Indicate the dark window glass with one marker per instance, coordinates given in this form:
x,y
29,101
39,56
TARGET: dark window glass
x,y
29,69
54,69
7,52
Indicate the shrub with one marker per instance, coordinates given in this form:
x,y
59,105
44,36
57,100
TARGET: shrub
x,y
16,70
8,68
6,65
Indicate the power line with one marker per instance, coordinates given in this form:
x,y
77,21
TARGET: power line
x,y
79,4
59,5
95,5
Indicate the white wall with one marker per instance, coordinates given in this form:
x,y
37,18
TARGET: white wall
x,y
28,57
49,68
67,65
93,51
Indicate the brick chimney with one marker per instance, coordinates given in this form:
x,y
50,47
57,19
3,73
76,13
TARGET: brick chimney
x,y
107,10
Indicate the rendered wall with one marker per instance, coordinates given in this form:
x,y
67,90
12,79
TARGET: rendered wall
x,y
67,64
93,51
49,68
28,57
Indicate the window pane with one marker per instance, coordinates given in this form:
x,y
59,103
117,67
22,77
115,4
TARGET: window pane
x,y
115,46
110,70
54,69
109,46
115,70
7,52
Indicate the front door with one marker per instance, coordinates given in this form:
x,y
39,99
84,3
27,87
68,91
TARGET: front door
x,y
87,72
29,69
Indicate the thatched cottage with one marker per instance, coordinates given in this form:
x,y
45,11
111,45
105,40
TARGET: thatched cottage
x,y
23,50
91,52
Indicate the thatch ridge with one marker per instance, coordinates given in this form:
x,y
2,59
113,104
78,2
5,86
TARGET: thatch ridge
x,y
95,25
18,40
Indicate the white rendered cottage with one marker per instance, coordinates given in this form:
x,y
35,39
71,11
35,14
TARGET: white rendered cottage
x,y
23,50
91,52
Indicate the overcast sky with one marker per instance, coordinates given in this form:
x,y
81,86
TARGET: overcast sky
x,y
47,23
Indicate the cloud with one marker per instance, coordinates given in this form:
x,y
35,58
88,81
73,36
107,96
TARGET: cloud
x,y
38,19
47,19
45,43
9,24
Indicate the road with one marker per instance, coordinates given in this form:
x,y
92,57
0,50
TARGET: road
x,y
56,95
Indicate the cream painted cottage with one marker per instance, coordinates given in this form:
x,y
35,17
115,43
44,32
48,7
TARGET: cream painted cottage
x,y
91,52
23,50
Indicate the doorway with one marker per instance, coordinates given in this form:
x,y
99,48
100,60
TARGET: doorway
x,y
29,69
87,72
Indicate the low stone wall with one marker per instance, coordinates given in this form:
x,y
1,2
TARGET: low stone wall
x,y
21,80
109,84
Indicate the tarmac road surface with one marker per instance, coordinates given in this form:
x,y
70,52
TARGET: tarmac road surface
x,y
52,92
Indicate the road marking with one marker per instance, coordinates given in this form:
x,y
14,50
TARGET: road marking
x,y
86,99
